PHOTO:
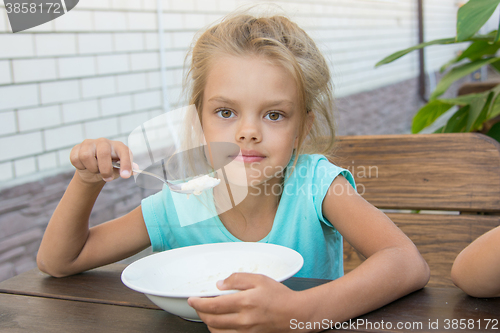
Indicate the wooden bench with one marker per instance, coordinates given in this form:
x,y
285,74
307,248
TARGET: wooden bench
x,y
453,180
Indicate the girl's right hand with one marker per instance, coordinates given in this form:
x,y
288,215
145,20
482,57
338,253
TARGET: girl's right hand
x,y
92,160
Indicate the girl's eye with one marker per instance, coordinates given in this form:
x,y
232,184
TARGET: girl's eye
x,y
274,116
224,113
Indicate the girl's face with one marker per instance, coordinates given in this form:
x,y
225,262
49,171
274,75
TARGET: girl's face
x,y
253,103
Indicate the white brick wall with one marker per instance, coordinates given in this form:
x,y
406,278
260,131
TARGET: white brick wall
x,y
5,75
18,96
59,91
55,44
95,43
30,70
14,46
63,136
74,67
7,123
95,71
39,118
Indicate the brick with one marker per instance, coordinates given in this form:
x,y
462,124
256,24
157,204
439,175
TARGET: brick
x,y
59,91
116,63
186,5
5,75
34,70
47,161
95,43
155,113
100,86
94,4
172,21
55,44
76,67
11,254
147,100
110,21
174,58
25,263
174,96
182,39
63,157
116,105
126,4
79,111
154,80
151,4
129,122
151,41
13,223
144,61
63,137
131,82
206,5
102,128
8,123
6,171
38,118
4,25
76,20
129,42
18,96
25,166
16,45
7,271
145,21
194,21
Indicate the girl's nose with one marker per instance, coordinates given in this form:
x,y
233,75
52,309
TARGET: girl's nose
x,y
249,130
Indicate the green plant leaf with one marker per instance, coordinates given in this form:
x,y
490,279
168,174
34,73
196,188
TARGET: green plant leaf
x,y
496,66
401,53
462,100
428,114
439,130
494,132
472,16
495,108
478,109
458,121
490,37
475,51
457,73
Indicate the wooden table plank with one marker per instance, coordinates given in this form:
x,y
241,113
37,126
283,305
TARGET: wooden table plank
x,y
100,285
100,288
39,314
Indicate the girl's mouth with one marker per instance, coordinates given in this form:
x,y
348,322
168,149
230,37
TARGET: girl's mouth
x,y
249,156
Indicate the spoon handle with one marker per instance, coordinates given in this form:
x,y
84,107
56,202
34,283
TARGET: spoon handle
x,y
116,164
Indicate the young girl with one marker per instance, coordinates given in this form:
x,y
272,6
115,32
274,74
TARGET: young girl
x,y
260,83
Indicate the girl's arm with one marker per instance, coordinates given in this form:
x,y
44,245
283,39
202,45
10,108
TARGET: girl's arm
x,y
68,245
476,269
393,268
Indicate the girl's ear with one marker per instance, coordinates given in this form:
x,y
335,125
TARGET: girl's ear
x,y
309,122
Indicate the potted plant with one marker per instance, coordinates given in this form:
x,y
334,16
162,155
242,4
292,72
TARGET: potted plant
x,y
475,110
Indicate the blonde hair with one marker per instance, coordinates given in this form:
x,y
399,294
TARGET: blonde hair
x,y
284,42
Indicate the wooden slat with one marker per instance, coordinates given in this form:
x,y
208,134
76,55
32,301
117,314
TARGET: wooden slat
x,y
439,238
459,171
38,314
100,285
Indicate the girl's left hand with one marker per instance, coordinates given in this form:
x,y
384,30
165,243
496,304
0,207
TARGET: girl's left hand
x,y
262,305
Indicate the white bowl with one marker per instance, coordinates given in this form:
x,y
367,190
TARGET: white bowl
x,y
169,278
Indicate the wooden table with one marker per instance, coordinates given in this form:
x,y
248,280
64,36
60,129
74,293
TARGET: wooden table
x,y
97,301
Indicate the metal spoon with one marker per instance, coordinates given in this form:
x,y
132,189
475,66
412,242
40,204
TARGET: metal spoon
x,y
173,187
